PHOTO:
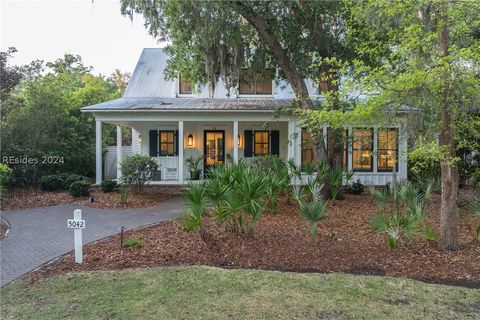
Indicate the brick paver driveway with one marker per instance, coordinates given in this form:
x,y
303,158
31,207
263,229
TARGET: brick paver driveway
x,y
39,235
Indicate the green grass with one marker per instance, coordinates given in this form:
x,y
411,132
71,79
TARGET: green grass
x,y
210,293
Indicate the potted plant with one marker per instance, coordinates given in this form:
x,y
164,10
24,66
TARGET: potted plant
x,y
194,167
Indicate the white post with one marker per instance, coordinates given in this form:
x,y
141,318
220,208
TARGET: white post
x,y
98,152
77,236
235,141
119,153
134,141
297,146
180,151
291,140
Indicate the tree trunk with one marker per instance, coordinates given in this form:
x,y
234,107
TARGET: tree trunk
x,y
449,169
294,77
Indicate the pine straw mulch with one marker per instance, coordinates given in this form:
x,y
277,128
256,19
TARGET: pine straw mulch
x,y
101,200
282,242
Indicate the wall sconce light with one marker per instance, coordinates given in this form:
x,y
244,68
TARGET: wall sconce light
x,y
139,138
190,140
239,143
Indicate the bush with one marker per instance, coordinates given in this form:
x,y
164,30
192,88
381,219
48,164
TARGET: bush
x,y
132,243
51,182
355,188
108,186
4,176
476,179
80,189
70,178
424,163
138,169
123,193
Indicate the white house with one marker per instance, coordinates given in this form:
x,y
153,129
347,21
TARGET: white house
x,y
172,122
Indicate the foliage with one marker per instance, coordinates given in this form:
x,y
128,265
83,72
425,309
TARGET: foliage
x,y
108,186
79,188
70,178
138,169
51,182
124,192
47,103
5,172
194,167
401,215
476,179
197,203
355,187
475,209
311,205
424,162
132,243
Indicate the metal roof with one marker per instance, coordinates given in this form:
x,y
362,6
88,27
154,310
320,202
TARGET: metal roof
x,y
189,104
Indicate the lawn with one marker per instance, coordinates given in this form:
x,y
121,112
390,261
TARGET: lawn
x,y
211,293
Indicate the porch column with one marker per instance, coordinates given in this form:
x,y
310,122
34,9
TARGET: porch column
x,y
235,141
135,138
119,152
297,146
98,152
180,151
291,140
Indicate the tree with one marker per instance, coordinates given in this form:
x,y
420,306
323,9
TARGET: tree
x,y
433,64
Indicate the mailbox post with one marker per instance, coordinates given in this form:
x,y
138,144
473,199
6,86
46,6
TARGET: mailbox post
x,y
78,225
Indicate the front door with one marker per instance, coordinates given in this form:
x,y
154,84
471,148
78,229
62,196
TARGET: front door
x,y
213,148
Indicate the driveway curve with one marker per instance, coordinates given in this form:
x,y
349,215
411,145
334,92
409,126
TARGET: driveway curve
x,y
39,235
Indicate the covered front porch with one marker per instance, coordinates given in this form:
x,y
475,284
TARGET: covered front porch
x,y
214,139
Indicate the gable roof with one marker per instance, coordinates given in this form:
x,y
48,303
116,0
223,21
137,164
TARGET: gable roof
x,y
148,74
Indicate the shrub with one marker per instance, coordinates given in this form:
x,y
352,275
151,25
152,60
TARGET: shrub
x,y
70,178
124,192
194,167
355,187
424,162
108,185
4,176
132,243
138,169
476,179
197,203
402,212
79,188
475,208
51,182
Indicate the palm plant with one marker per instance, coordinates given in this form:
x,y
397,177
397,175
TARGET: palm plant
x,y
336,174
197,205
402,211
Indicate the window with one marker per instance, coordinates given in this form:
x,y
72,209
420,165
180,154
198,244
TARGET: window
x,y
362,159
261,143
307,150
185,85
166,142
255,82
387,149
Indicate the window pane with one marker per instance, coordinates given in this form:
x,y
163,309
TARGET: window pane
x,y
307,152
263,84
387,149
185,85
246,82
261,142
362,149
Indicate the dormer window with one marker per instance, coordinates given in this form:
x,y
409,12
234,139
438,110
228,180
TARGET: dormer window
x,y
185,85
255,83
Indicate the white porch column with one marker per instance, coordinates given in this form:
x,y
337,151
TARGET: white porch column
x,y
119,152
135,145
235,141
98,152
180,151
297,147
291,140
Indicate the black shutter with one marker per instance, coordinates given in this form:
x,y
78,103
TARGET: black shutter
x,y
153,143
275,142
248,150
175,152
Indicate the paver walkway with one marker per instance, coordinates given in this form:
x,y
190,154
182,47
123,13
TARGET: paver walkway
x,y
39,235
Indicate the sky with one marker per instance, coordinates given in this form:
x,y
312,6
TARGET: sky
x,y
97,31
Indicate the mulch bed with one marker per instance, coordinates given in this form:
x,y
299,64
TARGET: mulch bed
x,y
346,243
34,199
